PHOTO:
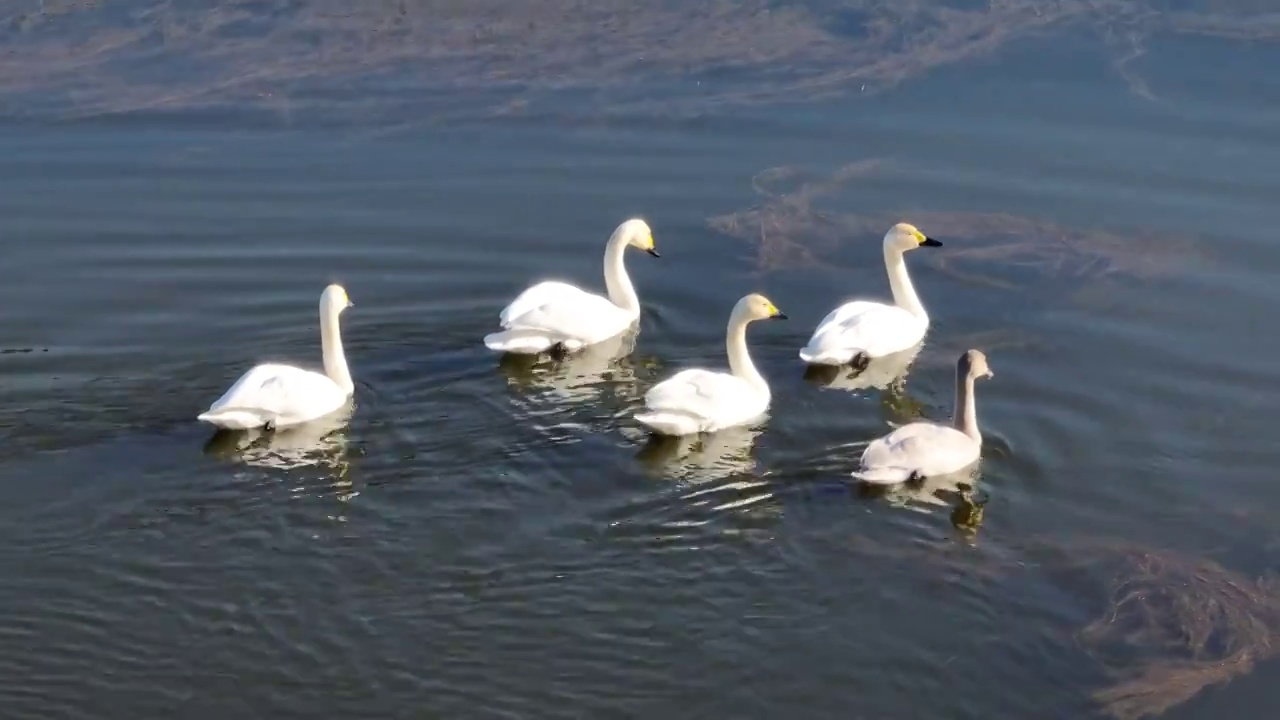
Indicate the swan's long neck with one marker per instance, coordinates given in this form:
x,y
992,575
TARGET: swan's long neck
x,y
616,282
966,409
904,293
739,359
335,361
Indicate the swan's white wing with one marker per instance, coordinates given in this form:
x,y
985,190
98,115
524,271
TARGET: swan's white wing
x,y
873,328
282,394
534,297
844,312
563,311
920,447
711,396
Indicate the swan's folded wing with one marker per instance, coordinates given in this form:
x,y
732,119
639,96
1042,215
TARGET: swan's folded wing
x,y
276,390
544,293
842,313
697,392
871,327
567,312
923,447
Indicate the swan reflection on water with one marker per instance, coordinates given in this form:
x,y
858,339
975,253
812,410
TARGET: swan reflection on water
x,y
958,492
581,376
323,443
883,373
701,458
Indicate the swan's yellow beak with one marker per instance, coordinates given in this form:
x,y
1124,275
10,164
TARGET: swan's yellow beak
x,y
650,247
924,240
775,313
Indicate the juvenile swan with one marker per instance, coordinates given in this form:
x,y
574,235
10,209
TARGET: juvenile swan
x,y
275,396
561,317
697,400
923,449
858,331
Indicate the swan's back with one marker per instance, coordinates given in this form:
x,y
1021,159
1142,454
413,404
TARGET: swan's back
x,y
555,312
920,448
278,394
874,328
536,296
698,400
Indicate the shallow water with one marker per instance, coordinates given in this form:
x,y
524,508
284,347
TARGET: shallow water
x,y
487,538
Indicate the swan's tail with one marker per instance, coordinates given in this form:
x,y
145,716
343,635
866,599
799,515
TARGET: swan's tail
x,y
518,341
670,423
816,355
232,419
882,475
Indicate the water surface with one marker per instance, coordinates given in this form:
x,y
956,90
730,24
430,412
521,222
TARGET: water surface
x,y
489,538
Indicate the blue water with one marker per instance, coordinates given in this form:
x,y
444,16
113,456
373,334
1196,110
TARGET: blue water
x,y
487,538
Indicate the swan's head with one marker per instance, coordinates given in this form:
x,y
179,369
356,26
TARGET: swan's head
x,y
334,299
904,236
757,307
636,233
973,365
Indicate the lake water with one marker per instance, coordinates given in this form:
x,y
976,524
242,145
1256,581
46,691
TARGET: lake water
x,y
490,538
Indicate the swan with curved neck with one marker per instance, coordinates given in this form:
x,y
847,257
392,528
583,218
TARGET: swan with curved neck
x,y
859,331
697,400
272,396
922,450
559,317
746,311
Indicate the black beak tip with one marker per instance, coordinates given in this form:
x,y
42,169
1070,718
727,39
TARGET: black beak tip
x,y
930,242
780,316
653,253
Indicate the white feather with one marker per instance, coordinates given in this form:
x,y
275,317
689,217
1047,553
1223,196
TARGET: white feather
x,y
873,328
696,401
923,449
554,313
284,395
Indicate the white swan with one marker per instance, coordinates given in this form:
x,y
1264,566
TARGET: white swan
x,y
695,401
274,396
560,317
858,331
922,450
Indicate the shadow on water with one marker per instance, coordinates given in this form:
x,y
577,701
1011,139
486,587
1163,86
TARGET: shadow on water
x,y
298,61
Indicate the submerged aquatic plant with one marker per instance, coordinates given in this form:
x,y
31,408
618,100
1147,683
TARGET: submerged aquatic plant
x,y
1170,624
377,60
789,229
1176,625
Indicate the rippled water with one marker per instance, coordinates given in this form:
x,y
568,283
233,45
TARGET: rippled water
x,y
490,538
